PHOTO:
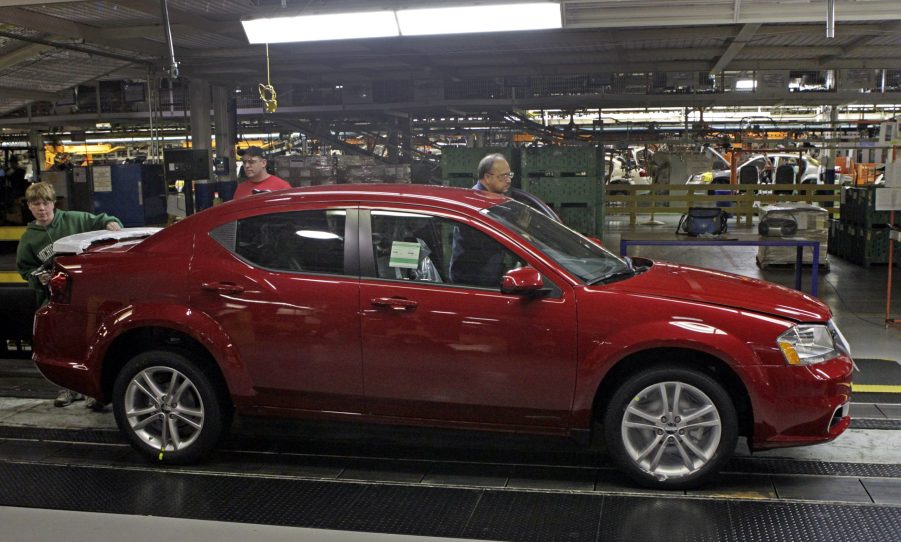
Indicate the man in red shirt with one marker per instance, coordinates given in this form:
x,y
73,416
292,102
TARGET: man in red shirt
x,y
258,179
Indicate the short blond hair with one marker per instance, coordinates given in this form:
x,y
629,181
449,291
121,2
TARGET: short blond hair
x,y
40,192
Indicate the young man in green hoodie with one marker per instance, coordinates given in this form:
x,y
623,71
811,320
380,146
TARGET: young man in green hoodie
x,y
36,247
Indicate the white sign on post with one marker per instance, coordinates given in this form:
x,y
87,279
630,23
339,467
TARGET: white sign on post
x,y
103,179
888,199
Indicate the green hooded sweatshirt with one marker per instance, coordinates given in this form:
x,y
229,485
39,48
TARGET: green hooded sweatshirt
x,y
36,246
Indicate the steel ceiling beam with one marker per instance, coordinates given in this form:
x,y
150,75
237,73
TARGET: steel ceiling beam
x,y
153,32
27,94
228,29
22,54
17,3
662,13
735,47
73,47
861,42
61,27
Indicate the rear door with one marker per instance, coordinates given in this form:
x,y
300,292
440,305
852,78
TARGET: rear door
x,y
284,286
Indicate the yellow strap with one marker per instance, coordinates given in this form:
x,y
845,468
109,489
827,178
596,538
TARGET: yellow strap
x,y
267,91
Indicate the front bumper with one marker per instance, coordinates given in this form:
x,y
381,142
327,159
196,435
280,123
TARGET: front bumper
x,y
803,405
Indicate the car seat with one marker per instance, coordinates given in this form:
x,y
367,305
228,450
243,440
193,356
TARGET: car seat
x,y
785,174
748,175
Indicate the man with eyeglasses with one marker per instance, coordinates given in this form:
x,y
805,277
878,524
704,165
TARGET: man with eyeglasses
x,y
494,174
476,259
258,179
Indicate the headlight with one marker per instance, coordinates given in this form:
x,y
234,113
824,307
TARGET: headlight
x,y
808,344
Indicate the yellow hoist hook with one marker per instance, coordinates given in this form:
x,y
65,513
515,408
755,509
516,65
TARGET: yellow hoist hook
x,y
267,91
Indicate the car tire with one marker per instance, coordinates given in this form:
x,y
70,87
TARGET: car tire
x,y
663,447
170,428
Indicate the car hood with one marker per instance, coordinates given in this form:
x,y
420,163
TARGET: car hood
x,y
676,281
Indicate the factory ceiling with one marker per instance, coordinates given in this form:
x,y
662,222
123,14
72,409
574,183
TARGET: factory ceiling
x,y
49,47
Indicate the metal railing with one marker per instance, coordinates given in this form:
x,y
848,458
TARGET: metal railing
x,y
742,200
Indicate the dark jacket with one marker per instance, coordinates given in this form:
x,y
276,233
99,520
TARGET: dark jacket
x,y
476,258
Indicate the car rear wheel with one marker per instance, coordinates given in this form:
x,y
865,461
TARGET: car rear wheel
x,y
670,428
170,409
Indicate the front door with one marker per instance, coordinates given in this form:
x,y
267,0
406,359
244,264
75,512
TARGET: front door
x,y
444,350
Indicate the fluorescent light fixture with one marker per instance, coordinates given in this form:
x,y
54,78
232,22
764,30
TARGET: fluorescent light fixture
x,y
406,22
336,26
745,84
469,19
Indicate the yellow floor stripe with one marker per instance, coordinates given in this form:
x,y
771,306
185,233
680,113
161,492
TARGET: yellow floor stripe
x,y
8,277
11,233
875,388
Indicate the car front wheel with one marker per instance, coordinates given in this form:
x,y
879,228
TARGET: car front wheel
x,y
670,428
171,410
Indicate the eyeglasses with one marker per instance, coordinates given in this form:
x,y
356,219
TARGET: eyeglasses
x,y
508,175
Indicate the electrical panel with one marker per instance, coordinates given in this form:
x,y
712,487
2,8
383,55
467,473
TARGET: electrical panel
x,y
186,164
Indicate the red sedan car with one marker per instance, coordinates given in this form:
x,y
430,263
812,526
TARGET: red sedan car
x,y
442,307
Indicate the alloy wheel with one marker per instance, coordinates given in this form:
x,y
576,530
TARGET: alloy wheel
x,y
671,430
164,408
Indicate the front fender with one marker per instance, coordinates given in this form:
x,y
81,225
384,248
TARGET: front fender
x,y
606,351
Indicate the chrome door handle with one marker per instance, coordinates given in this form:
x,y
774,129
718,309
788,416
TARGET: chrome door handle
x,y
395,303
223,287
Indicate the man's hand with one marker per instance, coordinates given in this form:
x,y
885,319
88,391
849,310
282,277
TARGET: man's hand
x,y
113,226
43,276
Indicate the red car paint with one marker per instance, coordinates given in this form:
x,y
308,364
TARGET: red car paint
x,y
364,348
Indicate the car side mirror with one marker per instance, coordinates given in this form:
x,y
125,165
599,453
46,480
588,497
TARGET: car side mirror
x,y
522,281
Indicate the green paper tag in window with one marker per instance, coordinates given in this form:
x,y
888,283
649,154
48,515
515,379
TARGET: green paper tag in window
x,y
404,255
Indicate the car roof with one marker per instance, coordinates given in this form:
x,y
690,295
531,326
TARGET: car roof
x,y
463,200
779,155
377,192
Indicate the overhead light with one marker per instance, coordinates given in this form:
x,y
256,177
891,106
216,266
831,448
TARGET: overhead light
x,y
406,22
469,19
334,26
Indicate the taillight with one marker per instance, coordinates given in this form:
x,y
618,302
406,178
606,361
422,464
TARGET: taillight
x,y
60,287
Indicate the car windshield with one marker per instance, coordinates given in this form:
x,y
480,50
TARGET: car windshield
x,y
758,162
581,257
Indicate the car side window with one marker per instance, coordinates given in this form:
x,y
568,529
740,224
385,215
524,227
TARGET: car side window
x,y
407,246
297,241
412,246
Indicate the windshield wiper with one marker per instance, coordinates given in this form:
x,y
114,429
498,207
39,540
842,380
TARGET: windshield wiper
x,y
619,275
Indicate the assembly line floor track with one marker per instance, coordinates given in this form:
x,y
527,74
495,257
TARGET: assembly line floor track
x,y
443,483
